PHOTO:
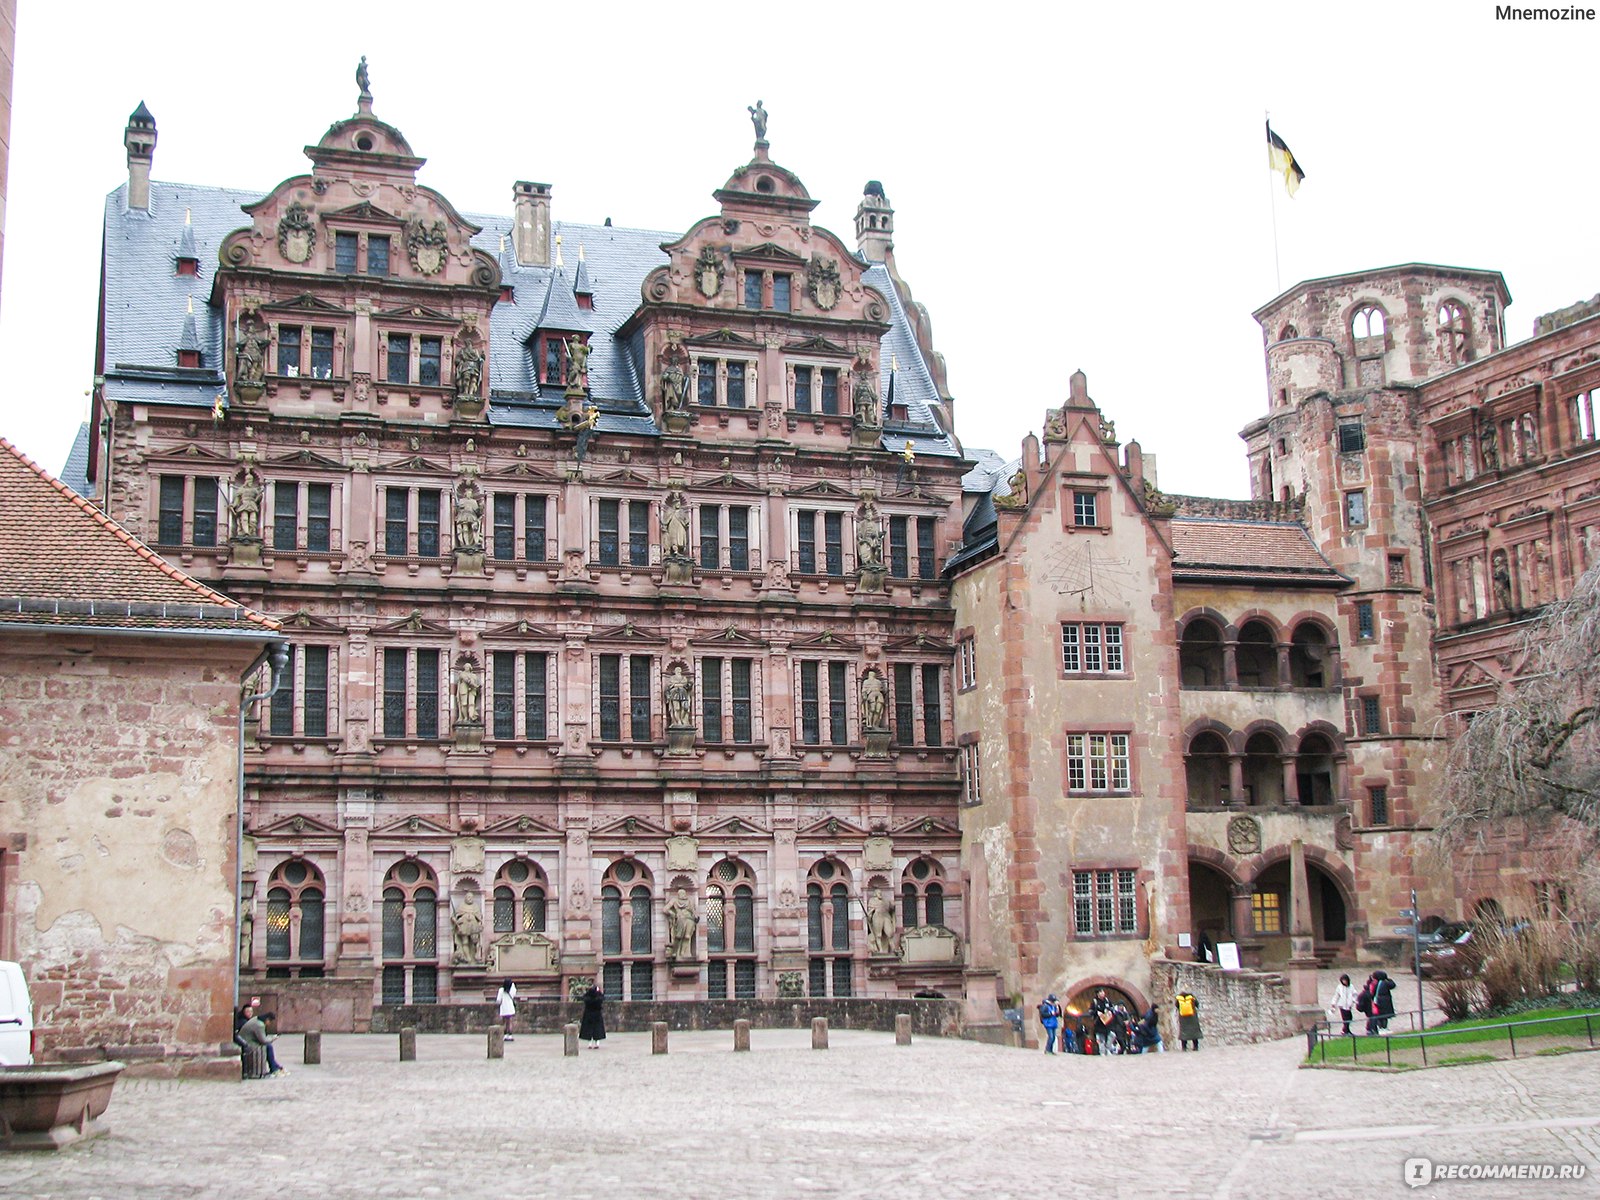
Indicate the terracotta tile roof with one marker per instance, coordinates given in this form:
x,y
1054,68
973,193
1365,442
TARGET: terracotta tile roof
x,y
64,562
1263,551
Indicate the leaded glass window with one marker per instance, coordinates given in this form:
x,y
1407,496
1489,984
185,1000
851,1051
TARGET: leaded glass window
x,y
311,925
611,921
394,925
425,936
277,924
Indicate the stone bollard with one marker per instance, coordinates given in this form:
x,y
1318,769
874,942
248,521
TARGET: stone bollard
x,y
902,1029
741,1034
658,1037
569,1041
313,1051
497,1043
408,1045
819,1033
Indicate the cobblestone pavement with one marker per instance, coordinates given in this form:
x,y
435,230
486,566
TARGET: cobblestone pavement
x,y
863,1119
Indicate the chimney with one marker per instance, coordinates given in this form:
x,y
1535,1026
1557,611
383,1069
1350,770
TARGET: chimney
x,y
530,235
140,139
874,224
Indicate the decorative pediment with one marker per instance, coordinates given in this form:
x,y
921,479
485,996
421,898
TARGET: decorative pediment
x,y
627,476
733,826
1477,673
920,644
304,622
522,631
414,625
305,458
1512,385
724,337
417,312
630,826
768,252
727,481
628,633
828,641
521,823
295,825
520,472
823,487
365,211
927,827
817,345
304,303
416,823
730,638
416,462
190,456
831,827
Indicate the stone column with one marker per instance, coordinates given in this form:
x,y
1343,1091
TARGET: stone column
x,y
1291,782
1243,920
1302,965
1230,663
355,912
1235,779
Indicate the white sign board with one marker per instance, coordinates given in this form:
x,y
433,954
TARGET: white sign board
x,y
1228,955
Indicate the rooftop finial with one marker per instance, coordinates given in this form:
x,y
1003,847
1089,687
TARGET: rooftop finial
x,y
758,118
559,263
364,82
186,217
191,306
580,251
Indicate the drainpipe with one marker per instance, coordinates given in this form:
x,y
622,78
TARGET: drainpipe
x,y
280,661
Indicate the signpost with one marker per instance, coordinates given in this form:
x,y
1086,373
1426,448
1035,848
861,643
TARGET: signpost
x,y
1412,914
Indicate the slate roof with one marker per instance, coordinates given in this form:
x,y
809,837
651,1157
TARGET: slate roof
x,y
65,563
75,472
1275,552
147,310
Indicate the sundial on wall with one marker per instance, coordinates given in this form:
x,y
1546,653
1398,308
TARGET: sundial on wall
x,y
1082,571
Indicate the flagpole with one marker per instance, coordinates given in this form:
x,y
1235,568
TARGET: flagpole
x,y
1272,199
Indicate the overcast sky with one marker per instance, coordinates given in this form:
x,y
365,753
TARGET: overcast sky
x,y
1075,185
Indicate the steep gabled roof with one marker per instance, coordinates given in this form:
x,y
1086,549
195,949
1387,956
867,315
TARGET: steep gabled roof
x,y
65,563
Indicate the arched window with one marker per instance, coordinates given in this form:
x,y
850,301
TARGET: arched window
x,y
1310,657
1367,323
922,894
1455,334
1287,333
410,934
627,924
730,925
1257,656
520,893
1314,773
1263,770
1200,657
296,897
1206,770
828,929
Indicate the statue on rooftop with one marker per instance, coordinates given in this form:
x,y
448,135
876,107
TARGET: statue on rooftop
x,y
363,80
758,118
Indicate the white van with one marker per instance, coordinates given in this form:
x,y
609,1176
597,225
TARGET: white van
x,y
16,1017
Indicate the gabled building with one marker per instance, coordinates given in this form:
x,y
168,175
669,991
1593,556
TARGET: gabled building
x,y
612,561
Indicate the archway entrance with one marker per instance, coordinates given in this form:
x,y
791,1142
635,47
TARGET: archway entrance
x,y
1273,917
1210,904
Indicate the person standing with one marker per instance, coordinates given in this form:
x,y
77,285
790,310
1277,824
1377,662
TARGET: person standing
x,y
593,1028
1188,1019
506,999
1382,1002
1101,1016
1147,1034
1343,1002
1050,1018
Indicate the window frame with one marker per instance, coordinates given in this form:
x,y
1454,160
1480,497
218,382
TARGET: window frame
x,y
1105,903
1081,760
1108,643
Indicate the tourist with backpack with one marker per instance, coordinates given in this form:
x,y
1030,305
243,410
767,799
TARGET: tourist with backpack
x,y
1050,1018
1188,1019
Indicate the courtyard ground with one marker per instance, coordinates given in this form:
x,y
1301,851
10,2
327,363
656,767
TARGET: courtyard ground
x,y
864,1118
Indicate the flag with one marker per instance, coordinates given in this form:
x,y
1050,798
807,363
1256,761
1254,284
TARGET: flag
x,y
1280,158
219,410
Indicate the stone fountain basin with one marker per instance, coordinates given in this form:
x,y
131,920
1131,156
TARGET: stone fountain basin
x,y
48,1107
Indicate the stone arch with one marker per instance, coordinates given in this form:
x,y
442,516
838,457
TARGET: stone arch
x,y
1331,864
1210,614
1203,650
1088,983
1255,651
1265,617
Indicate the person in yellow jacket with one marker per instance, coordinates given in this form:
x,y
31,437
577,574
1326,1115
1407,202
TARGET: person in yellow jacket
x,y
1188,1019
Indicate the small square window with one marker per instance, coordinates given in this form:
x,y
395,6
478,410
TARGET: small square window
x,y
1085,510
1378,805
1397,569
780,293
1371,716
1352,437
1366,629
345,247
1355,509
377,255
752,289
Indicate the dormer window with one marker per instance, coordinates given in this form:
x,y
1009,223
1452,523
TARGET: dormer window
x,y
189,358
552,359
378,254
188,266
346,248
899,412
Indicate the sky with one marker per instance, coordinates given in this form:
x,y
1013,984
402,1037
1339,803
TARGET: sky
x,y
1076,185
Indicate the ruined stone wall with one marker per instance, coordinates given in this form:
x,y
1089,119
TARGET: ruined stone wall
x,y
1235,1007
117,783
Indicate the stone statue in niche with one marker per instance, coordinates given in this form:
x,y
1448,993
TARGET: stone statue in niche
x,y
245,507
250,357
758,118
880,923
680,698
708,272
674,389
467,925
1500,572
675,526
469,370
469,517
297,234
869,535
247,929
874,701
469,692
681,921
868,405
1489,444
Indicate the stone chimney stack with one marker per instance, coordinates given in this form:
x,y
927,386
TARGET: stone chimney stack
x,y
530,236
874,224
140,139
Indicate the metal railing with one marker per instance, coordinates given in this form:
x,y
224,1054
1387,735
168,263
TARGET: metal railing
x,y
1447,1036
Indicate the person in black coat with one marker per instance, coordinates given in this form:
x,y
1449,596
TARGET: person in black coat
x,y
1382,1002
593,1028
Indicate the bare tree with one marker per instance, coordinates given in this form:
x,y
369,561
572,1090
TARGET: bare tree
x,y
1536,753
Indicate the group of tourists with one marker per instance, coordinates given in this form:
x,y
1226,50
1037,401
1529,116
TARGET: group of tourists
x,y
1375,1001
1114,1028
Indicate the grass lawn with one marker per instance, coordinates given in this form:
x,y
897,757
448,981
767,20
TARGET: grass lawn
x,y
1362,1048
